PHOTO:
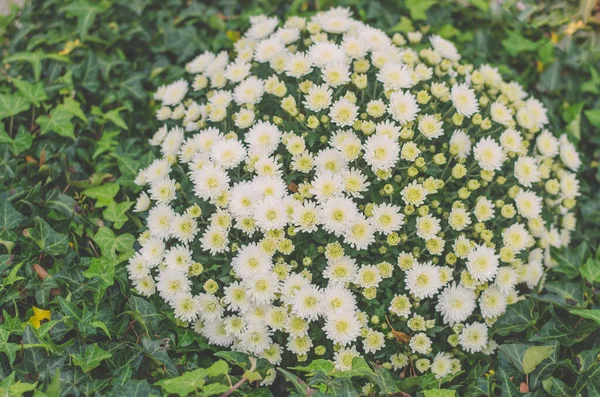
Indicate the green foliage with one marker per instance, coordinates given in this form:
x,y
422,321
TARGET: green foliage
x,y
75,113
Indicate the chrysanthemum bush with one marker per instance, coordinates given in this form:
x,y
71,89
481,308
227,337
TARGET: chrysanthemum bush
x,y
328,191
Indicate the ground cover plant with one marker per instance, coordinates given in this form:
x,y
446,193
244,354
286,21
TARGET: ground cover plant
x,y
77,109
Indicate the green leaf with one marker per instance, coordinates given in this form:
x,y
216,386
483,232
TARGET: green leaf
x,y
134,388
74,107
33,92
59,122
10,218
589,314
103,194
102,269
516,44
8,348
22,141
483,5
518,317
439,393
61,203
110,244
86,14
117,213
157,351
556,387
418,8
405,25
34,58
535,355
570,259
49,240
507,387
593,116
591,270
194,381
91,359
11,105
318,365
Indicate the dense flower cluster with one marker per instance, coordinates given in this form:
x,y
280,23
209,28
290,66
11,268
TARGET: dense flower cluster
x,y
330,177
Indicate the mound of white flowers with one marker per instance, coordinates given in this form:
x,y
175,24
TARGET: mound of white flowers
x,y
326,190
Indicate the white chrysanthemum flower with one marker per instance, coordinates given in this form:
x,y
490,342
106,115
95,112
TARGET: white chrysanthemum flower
x,y
298,65
473,337
360,233
395,77
400,306
381,152
506,279
341,271
138,267
336,74
263,138
445,48
368,276
262,287
427,226
460,144
403,107
343,358
343,113
355,182
256,339
441,365
527,171
414,194
184,228
215,240
489,154
174,93
464,100
500,114
186,307
568,154
342,327
387,218
482,263
431,127
492,303
547,145
159,221
324,53
142,203
517,237
484,209
529,204
459,218
373,341
228,153
308,303
456,304
270,214
420,343
511,141
250,260
423,280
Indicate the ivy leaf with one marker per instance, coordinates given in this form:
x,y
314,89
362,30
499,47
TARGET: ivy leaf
x,y
110,244
10,218
74,107
59,122
22,141
157,351
106,143
515,44
91,359
418,8
439,393
11,105
86,14
535,355
507,387
518,317
102,269
33,92
593,116
315,366
103,194
117,213
591,270
9,348
34,58
134,388
589,314
49,240
570,259
194,381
